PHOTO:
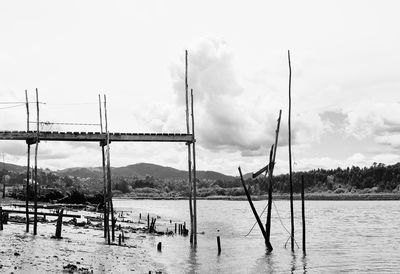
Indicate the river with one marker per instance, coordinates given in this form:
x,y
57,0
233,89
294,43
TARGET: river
x,y
342,236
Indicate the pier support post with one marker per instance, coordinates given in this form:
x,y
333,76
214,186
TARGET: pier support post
x,y
59,224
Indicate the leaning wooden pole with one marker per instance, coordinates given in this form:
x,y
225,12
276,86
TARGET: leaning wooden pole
x,y
268,244
194,174
290,157
28,164
109,190
268,224
105,219
303,215
271,166
270,171
36,152
189,149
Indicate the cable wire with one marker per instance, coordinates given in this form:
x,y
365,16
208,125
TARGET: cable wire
x,y
19,105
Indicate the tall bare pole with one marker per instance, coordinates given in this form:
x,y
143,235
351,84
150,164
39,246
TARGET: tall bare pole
x,y
36,152
28,164
290,157
109,190
104,175
189,150
194,174
303,215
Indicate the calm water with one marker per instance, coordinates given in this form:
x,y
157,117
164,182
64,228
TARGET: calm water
x,y
342,236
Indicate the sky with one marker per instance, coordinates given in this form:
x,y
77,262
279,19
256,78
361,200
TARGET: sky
x,y
345,80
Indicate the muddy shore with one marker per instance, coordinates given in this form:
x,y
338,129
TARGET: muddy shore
x,y
82,248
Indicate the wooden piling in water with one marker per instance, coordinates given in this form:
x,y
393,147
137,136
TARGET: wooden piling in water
x,y
270,171
175,228
189,150
219,245
194,176
36,152
303,215
28,164
268,224
290,158
268,244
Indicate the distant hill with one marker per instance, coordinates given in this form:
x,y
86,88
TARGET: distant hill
x,y
83,172
12,167
142,170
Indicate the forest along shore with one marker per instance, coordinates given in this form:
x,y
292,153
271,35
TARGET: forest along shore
x,y
82,247
281,196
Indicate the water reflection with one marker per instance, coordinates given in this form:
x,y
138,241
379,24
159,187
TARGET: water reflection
x,y
192,260
293,262
304,261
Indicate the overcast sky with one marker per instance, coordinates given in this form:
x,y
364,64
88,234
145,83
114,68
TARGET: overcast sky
x,y
345,79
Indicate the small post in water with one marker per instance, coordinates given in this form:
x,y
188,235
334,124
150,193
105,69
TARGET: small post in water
x,y
303,215
219,245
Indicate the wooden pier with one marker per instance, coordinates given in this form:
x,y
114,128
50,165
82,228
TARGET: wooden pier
x,y
30,136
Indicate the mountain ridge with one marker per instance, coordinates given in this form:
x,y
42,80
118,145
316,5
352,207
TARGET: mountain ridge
x,y
141,170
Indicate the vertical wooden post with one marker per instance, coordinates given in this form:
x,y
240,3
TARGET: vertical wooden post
x,y
194,174
36,152
106,228
290,157
28,164
219,245
59,224
1,218
269,246
268,224
189,149
303,215
111,208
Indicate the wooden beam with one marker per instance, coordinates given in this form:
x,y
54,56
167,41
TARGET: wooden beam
x,y
258,173
95,136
